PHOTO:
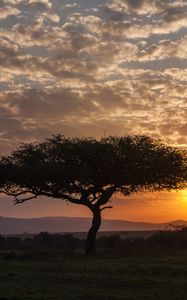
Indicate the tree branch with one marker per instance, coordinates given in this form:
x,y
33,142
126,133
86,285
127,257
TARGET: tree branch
x,y
106,196
36,193
18,201
59,195
14,193
105,207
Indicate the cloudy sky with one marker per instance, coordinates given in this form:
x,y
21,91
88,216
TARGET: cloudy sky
x,y
93,67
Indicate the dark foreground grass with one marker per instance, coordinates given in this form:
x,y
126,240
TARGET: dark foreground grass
x,y
54,276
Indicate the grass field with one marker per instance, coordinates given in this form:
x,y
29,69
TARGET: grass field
x,y
54,276
82,235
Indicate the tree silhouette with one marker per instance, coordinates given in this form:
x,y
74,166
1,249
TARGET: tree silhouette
x,y
87,171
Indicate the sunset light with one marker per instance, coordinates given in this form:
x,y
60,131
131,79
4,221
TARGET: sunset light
x,y
93,149
183,197
94,68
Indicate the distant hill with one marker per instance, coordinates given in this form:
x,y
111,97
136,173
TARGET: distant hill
x,y
69,224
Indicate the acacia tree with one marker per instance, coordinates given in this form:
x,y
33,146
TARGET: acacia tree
x,y
89,171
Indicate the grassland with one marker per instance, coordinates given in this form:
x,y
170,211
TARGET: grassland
x,y
56,276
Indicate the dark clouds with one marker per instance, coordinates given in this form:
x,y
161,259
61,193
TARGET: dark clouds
x,y
117,67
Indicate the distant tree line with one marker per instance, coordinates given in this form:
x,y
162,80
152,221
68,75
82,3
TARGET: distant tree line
x,y
113,244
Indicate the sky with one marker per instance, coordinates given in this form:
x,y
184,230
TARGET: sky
x,y
94,68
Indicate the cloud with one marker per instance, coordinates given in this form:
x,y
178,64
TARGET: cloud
x,y
141,18
128,106
119,67
7,11
70,5
143,7
165,49
40,4
8,48
53,17
9,2
140,7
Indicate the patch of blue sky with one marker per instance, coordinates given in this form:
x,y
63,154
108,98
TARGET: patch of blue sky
x,y
157,64
173,36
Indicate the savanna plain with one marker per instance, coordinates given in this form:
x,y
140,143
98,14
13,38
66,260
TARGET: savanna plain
x,y
137,268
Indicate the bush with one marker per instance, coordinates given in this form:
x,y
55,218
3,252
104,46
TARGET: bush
x,y
113,244
1,241
44,238
168,239
108,241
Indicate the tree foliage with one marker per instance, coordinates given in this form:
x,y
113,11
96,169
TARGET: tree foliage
x,y
88,171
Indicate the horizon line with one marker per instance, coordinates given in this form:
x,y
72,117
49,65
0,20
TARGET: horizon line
x,y
69,217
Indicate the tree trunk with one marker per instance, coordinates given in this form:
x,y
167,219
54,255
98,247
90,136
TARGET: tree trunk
x,y
96,222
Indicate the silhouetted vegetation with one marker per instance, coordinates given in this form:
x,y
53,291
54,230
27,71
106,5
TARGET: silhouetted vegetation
x,y
88,171
52,266
111,245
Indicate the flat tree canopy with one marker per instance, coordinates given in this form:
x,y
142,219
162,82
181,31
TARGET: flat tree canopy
x,y
88,171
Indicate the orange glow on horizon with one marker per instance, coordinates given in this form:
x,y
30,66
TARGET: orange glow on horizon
x,y
154,207
144,207
150,207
